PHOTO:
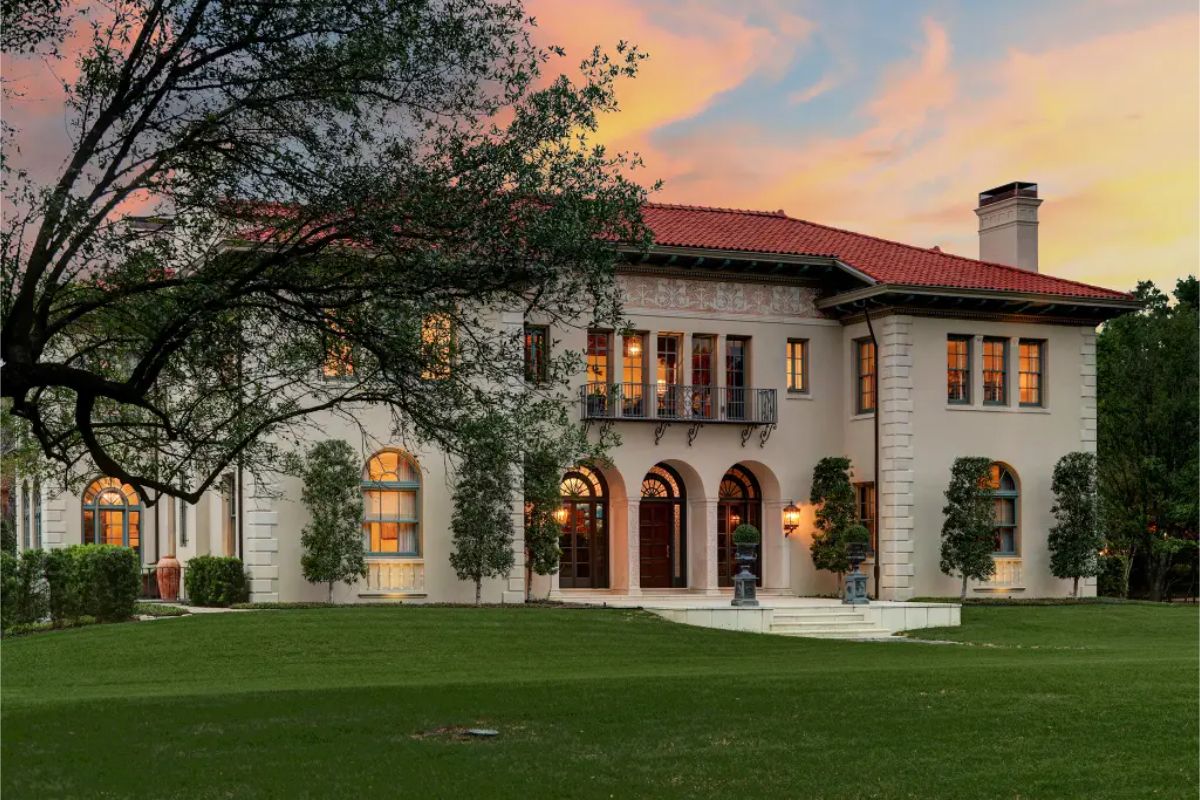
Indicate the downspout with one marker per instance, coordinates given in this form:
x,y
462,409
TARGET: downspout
x,y
878,410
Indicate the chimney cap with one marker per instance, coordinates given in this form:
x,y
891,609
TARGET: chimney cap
x,y
1014,189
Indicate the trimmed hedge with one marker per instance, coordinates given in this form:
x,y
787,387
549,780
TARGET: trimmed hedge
x,y
216,581
96,581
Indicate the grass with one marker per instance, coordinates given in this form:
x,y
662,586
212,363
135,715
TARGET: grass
x,y
1073,701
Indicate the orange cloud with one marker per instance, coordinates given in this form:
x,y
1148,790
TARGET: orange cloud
x,y
1107,126
698,51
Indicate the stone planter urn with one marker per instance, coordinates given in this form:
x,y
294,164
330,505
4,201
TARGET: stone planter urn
x,y
745,541
855,590
167,573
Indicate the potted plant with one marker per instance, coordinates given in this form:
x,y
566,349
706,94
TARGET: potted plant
x,y
745,541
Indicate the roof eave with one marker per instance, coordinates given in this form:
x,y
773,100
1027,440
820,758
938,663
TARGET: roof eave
x,y
1014,303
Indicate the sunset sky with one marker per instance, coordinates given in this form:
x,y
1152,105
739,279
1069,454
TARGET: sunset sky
x,y
890,117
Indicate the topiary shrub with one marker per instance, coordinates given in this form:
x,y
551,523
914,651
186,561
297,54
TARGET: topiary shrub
x,y
746,534
24,600
107,579
216,581
65,601
1111,580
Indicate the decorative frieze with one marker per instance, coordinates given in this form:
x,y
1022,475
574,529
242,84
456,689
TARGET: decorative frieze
x,y
656,293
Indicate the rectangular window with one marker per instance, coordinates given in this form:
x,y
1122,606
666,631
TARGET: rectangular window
x,y
537,353
669,374
797,365
737,356
229,517
183,522
437,346
599,353
864,375
958,369
1032,372
703,374
995,372
25,517
865,498
339,356
37,515
633,367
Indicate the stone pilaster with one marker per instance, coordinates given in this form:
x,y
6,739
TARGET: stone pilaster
x,y
514,583
1087,391
54,520
633,548
702,518
261,538
895,490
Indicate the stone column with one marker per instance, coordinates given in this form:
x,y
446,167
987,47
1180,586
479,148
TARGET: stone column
x,y
895,490
777,561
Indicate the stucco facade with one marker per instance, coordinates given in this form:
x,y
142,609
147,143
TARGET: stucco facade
x,y
742,309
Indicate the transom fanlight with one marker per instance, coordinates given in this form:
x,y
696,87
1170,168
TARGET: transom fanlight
x,y
111,492
737,484
391,466
581,482
1000,479
660,483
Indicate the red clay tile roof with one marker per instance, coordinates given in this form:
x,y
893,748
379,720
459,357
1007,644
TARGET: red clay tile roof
x,y
887,262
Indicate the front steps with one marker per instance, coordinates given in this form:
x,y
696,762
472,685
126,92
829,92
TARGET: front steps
x,y
838,622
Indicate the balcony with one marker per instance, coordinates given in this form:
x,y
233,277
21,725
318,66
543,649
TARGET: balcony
x,y
693,405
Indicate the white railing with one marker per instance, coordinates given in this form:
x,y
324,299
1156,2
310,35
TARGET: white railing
x,y
397,576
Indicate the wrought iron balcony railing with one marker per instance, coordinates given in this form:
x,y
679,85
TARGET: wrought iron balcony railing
x,y
665,403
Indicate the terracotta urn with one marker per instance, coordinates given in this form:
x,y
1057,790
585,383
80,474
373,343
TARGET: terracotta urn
x,y
167,573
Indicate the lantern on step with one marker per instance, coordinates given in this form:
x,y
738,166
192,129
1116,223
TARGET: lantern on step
x,y
791,518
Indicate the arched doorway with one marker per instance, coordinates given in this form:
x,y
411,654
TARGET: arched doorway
x,y
584,538
739,499
662,526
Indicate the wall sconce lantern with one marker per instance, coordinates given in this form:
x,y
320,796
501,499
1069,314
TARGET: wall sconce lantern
x,y
561,515
791,518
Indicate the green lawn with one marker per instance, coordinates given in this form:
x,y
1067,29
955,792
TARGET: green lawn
x,y
1078,701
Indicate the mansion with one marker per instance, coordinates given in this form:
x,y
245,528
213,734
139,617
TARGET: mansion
x,y
757,344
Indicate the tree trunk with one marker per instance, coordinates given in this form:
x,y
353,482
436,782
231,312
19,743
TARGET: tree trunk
x,y
528,577
1075,588
478,591
963,594
331,592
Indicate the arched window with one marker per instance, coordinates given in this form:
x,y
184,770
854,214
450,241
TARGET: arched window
x,y
112,514
584,539
1005,493
391,504
738,500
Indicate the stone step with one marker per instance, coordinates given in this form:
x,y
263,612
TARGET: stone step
x,y
808,624
834,632
816,616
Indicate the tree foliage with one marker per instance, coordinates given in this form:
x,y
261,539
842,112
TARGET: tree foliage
x,y
340,182
1075,538
968,531
332,493
1148,435
482,524
836,513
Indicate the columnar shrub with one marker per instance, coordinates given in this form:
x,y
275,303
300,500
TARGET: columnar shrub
x,y
62,588
216,581
1075,538
333,537
482,524
968,532
836,513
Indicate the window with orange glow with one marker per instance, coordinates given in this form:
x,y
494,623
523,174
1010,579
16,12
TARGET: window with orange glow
x,y
1032,372
437,346
391,504
339,359
112,513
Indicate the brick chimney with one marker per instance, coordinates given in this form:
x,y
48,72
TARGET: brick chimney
x,y
1008,225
